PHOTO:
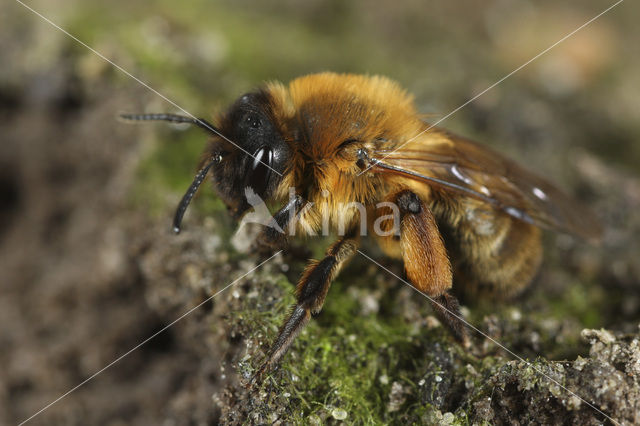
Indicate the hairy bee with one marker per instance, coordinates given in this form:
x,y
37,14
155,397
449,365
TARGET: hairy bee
x,y
328,140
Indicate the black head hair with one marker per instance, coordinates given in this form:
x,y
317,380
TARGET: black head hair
x,y
248,151
260,158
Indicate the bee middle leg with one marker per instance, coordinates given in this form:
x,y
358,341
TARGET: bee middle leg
x,y
426,261
311,292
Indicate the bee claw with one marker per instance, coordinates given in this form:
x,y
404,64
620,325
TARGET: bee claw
x,y
258,377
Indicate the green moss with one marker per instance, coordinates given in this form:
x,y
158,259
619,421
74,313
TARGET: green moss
x,y
347,360
581,301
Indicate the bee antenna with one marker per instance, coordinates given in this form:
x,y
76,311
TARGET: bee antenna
x,y
174,118
191,191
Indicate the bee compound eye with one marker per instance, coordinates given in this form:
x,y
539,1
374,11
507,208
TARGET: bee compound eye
x,y
258,178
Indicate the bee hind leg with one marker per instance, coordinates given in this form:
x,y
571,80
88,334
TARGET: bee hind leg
x,y
426,261
447,309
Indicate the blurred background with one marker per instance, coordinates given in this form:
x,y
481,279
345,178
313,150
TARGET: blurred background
x,y
89,269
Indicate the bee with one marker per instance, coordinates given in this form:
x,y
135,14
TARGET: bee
x,y
462,217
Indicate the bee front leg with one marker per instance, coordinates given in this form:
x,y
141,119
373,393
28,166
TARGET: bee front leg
x,y
274,236
310,292
426,261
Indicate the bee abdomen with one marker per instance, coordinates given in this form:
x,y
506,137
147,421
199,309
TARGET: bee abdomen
x,y
501,263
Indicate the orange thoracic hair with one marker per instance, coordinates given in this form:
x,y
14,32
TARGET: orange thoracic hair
x,y
322,112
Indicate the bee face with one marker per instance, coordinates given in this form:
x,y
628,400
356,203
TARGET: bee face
x,y
258,157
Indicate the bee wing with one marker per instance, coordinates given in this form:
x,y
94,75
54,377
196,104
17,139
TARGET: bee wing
x,y
454,164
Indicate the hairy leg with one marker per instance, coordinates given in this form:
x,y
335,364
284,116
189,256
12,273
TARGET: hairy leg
x,y
311,292
426,261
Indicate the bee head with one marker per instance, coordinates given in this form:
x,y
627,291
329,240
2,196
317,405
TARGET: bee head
x,y
252,154
247,154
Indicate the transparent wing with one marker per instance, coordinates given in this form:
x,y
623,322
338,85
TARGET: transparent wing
x,y
455,164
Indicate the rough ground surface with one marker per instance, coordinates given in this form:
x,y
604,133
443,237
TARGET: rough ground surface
x,y
90,270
